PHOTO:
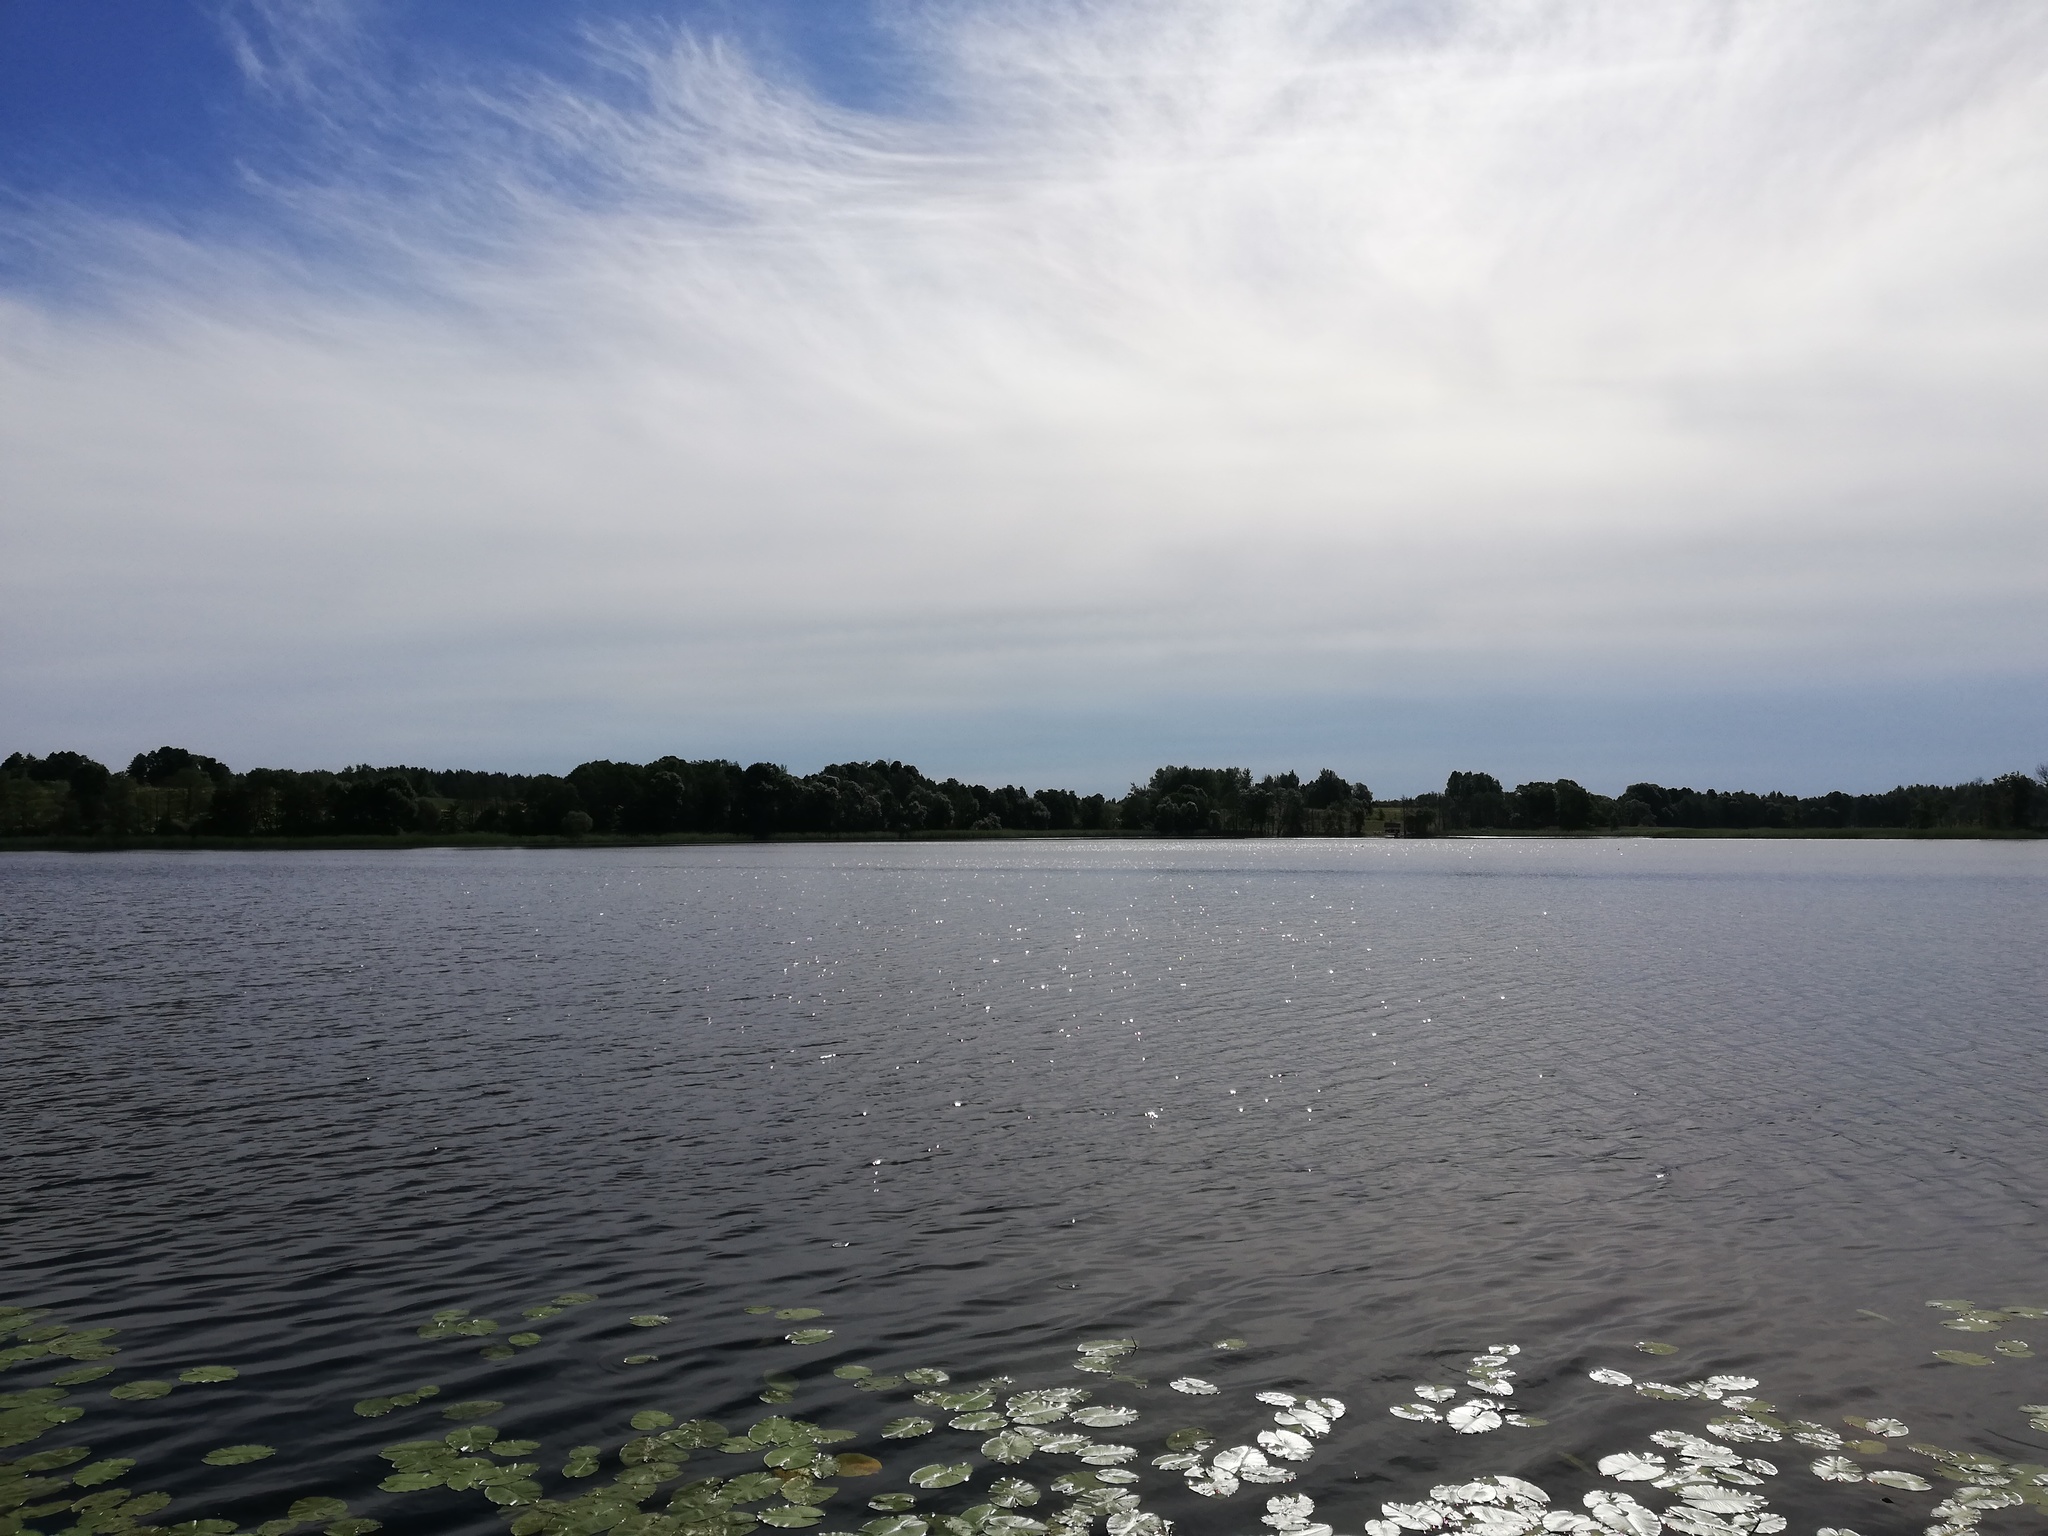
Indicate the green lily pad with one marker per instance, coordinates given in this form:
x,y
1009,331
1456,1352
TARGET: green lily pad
x,y
476,1408
789,1516
1656,1347
941,1474
238,1455
1010,1446
355,1525
641,1359
2017,1349
907,1429
893,1503
879,1383
317,1507
575,1298
102,1471
204,1528
208,1373
750,1487
84,1374
851,1372
1192,1438
650,1419
411,1482
927,1376
758,1311
982,1422
514,1447
548,1309
141,1391
523,1340
497,1351
648,1319
808,1336
1961,1357
797,1314
1012,1493
895,1525
854,1464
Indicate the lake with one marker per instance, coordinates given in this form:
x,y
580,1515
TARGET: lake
x,y
1359,1110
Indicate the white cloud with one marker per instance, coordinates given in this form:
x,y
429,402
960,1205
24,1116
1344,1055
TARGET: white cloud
x,y
1263,347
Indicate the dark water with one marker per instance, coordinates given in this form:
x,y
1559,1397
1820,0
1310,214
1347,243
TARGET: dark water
x,y
1367,1106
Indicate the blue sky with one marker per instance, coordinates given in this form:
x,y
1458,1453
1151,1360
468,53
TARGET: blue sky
x,y
1035,392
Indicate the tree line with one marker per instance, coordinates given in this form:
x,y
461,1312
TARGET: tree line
x,y
176,792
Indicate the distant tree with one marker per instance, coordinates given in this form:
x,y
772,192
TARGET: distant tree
x,y
1326,789
1574,806
165,764
1535,805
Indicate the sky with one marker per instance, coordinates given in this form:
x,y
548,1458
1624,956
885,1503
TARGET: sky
x,y
1035,392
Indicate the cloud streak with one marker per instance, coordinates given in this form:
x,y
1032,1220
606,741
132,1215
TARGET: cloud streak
x,y
1225,350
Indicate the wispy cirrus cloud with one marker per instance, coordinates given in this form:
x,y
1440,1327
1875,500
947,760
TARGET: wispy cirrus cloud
x,y
1215,349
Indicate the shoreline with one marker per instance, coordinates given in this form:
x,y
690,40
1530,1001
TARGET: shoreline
x,y
496,840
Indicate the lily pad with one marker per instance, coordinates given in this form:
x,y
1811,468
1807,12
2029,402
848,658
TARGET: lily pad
x,y
893,1503
476,1408
84,1374
852,1372
523,1340
1468,1418
650,1419
982,1422
1837,1469
808,1336
141,1391
792,1515
854,1464
757,1311
1103,1416
575,1298
1194,1386
940,1474
238,1455
1961,1357
102,1471
204,1373
2017,1349
797,1314
648,1319
641,1359
895,1525
1230,1344
1885,1477
1010,1446
317,1507
1012,1493
1610,1377
1656,1347
927,1376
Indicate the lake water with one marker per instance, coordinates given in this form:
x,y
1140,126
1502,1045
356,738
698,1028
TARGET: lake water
x,y
1368,1107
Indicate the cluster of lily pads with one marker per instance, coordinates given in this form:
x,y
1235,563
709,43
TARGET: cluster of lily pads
x,y
1035,1460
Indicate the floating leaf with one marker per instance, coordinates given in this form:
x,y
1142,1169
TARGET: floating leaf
x,y
641,1359
940,1474
1632,1467
983,1422
317,1507
84,1374
1891,1429
2017,1349
1961,1357
1419,1412
476,1408
575,1298
648,1319
895,1525
205,1373
102,1471
1611,1378
498,1352
537,1313
797,1314
651,1418
355,1526
907,1429
1011,1446
758,1311
808,1336
523,1340
1885,1477
854,1464
1435,1394
237,1455
1012,1493
893,1503
1105,1417
1837,1469
1468,1418
1656,1347
1194,1386
851,1372
927,1376
141,1391
1230,1344
790,1515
